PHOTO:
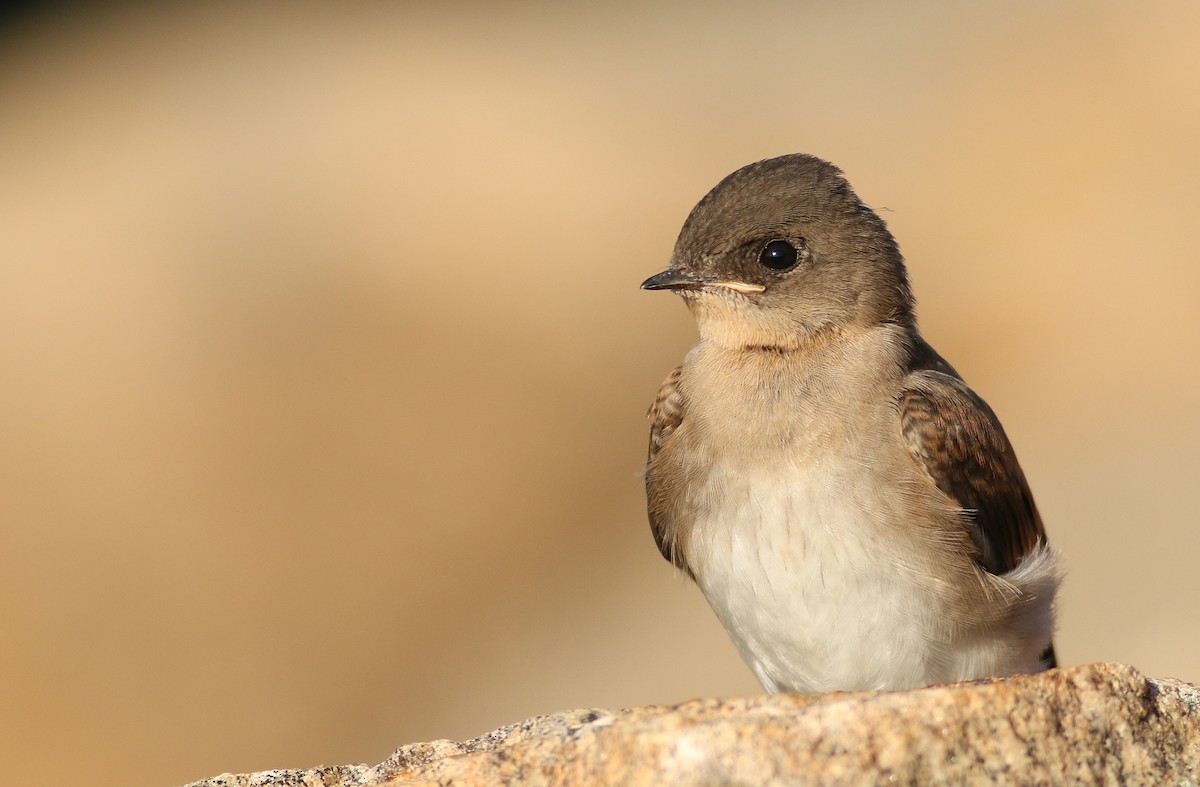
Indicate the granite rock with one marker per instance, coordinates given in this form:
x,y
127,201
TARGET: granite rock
x,y
1102,723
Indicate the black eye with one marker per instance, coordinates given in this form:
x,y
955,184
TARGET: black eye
x,y
778,255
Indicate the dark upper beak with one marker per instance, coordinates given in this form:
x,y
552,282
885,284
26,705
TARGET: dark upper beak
x,y
671,279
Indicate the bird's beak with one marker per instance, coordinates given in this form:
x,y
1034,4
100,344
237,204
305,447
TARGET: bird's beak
x,y
672,279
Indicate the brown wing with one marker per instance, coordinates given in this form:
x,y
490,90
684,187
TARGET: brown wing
x,y
665,416
958,440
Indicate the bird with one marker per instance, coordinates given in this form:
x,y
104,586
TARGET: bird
x,y
850,508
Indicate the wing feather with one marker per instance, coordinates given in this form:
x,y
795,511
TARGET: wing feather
x,y
665,416
957,439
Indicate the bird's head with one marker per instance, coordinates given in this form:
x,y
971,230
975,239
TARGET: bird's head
x,y
783,250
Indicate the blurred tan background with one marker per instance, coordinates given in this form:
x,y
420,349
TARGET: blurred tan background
x,y
323,363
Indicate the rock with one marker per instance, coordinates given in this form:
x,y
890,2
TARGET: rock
x,y
1098,723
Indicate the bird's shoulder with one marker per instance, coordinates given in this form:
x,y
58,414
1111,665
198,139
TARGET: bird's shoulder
x,y
666,412
957,440
665,416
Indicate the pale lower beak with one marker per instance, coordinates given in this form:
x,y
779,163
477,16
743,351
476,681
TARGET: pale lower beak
x,y
675,280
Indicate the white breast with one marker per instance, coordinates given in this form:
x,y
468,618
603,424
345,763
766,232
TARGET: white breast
x,y
795,568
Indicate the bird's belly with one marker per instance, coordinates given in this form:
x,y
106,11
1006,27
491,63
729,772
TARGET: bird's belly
x,y
804,576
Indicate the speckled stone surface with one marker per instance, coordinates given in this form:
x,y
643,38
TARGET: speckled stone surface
x,y
1101,723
